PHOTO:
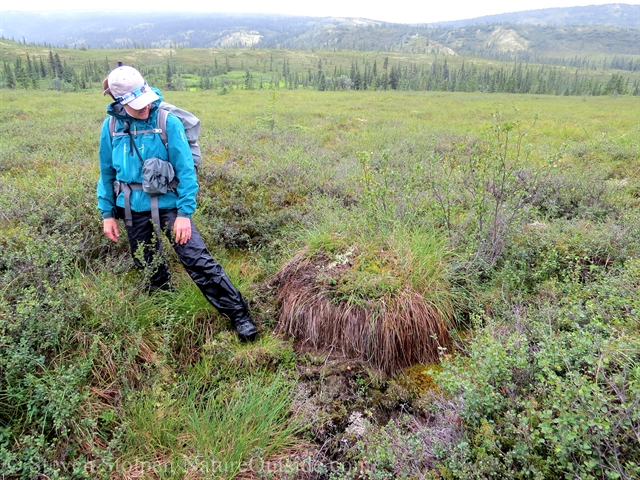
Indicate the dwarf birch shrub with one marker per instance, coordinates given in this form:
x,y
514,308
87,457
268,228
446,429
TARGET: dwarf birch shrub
x,y
480,191
553,392
563,252
575,192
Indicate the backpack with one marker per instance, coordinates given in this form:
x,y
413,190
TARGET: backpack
x,y
189,120
192,130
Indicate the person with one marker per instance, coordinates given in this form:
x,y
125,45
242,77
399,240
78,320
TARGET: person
x,y
122,153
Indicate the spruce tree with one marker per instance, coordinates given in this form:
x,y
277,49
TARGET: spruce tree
x,y
9,78
169,77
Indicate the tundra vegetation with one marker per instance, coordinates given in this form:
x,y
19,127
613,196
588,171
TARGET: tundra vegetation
x,y
447,286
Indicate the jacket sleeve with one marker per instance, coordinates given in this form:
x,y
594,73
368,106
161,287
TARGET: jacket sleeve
x,y
182,162
106,200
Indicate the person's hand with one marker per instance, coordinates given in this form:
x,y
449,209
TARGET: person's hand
x,y
110,227
182,230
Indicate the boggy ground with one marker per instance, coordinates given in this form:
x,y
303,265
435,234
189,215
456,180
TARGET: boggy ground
x,y
343,405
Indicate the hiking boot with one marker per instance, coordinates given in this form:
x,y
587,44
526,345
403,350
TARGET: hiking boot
x,y
247,330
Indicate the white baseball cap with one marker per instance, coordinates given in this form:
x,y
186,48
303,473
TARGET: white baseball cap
x,y
129,88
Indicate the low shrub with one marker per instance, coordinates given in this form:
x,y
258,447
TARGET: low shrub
x,y
552,390
580,191
563,251
479,192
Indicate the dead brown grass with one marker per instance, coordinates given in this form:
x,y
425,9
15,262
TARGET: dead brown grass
x,y
388,333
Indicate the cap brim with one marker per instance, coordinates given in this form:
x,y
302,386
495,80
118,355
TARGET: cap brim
x,y
143,100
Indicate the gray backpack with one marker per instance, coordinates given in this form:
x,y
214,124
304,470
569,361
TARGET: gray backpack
x,y
189,120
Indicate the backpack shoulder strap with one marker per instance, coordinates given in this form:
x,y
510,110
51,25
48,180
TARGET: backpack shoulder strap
x,y
112,126
162,126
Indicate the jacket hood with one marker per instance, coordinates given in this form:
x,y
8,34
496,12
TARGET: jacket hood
x,y
117,110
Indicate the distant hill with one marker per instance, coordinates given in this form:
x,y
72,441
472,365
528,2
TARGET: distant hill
x,y
613,15
497,41
156,29
586,32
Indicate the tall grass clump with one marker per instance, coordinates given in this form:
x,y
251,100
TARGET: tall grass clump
x,y
367,287
212,434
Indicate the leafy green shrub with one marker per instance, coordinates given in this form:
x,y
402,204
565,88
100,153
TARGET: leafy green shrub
x,y
41,389
575,192
553,391
563,251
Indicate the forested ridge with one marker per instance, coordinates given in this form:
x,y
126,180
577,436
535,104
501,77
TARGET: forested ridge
x,y
74,70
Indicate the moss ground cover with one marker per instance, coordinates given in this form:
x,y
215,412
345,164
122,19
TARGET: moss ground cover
x,y
530,237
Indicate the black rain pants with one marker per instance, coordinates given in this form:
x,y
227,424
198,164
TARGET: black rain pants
x,y
208,274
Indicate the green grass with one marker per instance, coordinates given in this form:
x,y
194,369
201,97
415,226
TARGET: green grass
x,y
96,374
212,435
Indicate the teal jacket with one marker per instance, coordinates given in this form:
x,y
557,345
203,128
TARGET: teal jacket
x,y
118,161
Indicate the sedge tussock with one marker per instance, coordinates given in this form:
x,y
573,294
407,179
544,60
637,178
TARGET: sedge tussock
x,y
389,332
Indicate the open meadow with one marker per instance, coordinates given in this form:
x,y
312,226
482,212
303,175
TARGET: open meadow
x,y
447,286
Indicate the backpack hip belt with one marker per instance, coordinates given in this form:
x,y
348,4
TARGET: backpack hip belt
x,y
126,188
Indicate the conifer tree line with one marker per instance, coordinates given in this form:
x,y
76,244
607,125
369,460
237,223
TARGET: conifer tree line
x,y
616,62
52,73
439,75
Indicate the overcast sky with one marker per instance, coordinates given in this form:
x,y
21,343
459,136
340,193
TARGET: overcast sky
x,y
400,11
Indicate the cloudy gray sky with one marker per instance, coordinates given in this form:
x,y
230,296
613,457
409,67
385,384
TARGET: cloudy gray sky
x,y
401,11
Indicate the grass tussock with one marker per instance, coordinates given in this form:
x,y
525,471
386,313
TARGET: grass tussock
x,y
395,330
187,435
